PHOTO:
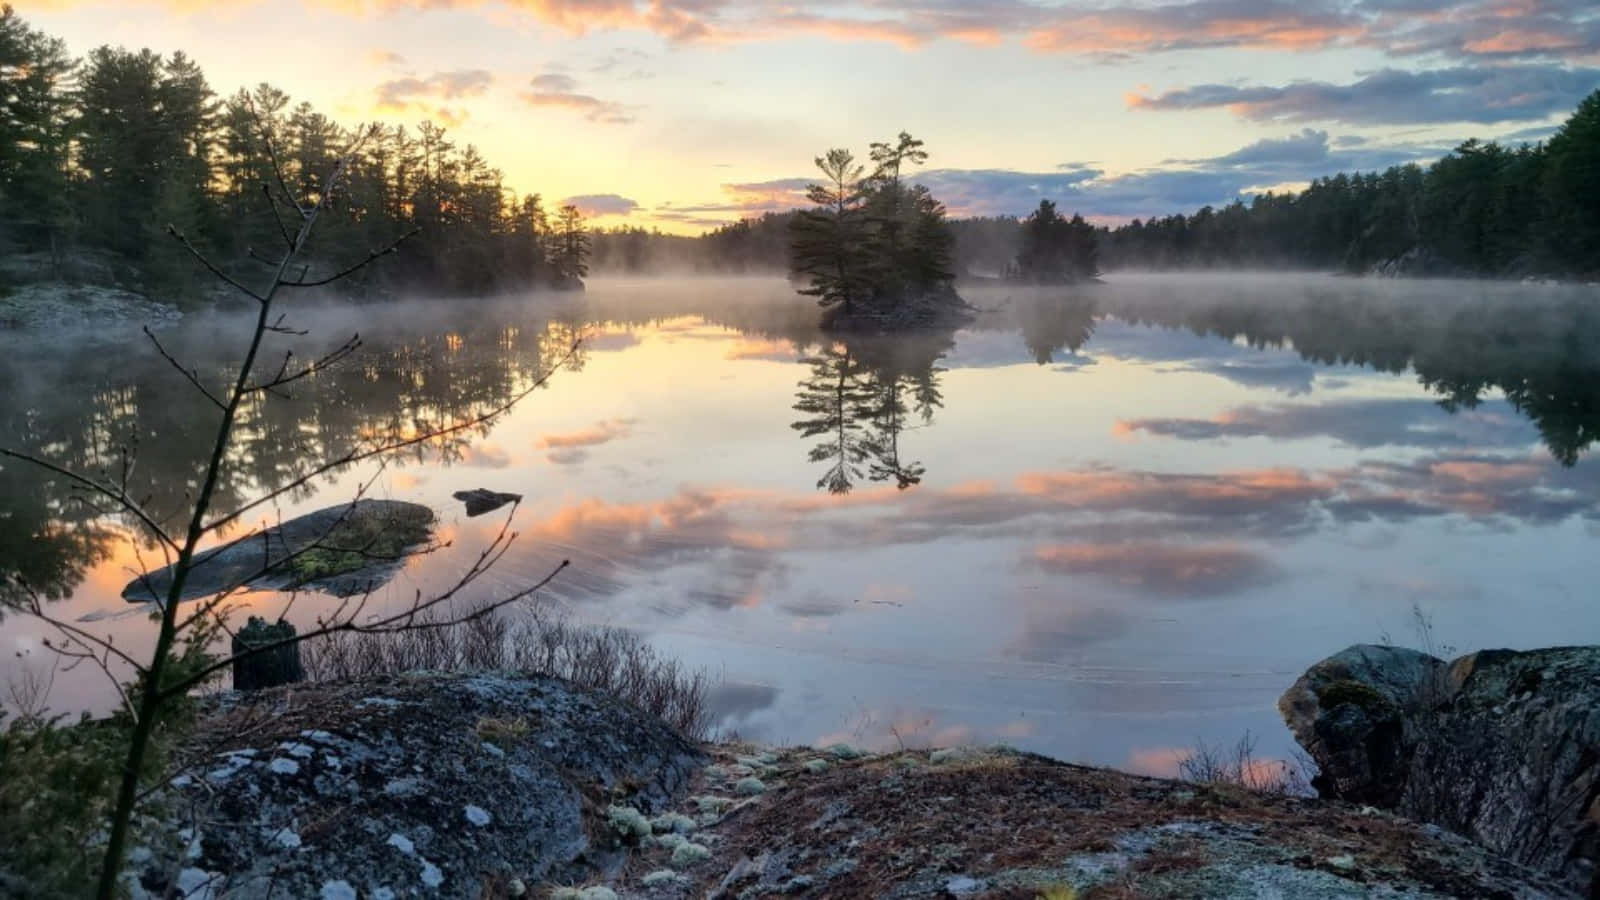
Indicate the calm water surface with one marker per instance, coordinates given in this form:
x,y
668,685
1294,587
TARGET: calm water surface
x,y
1099,524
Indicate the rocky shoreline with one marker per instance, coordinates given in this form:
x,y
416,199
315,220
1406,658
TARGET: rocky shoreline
x,y
496,785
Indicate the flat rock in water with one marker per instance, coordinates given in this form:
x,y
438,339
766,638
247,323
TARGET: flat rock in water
x,y
482,500
345,550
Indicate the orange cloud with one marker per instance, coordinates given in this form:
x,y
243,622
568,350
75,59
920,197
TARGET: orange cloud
x,y
1177,569
601,433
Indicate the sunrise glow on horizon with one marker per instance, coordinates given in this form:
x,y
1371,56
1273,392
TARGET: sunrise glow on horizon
x,y
687,114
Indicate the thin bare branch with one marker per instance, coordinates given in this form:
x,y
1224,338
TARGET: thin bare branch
x,y
284,376
192,374
173,230
372,257
118,496
283,230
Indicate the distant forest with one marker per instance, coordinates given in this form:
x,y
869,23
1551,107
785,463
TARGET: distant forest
x,y
99,155
1482,210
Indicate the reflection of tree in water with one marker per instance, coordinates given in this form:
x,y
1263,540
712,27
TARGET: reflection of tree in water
x,y
1541,351
84,410
1051,324
857,401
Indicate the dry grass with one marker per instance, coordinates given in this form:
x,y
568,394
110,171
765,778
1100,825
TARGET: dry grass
x,y
1239,766
613,660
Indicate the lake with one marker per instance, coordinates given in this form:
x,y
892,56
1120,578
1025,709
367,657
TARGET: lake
x,y
1100,522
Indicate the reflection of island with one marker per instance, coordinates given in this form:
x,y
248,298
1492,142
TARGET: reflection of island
x,y
857,402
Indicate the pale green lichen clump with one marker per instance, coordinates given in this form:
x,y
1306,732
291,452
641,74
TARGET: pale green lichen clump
x,y
672,822
660,877
589,893
749,787
628,822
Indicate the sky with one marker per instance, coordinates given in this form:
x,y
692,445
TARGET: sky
x,y
686,114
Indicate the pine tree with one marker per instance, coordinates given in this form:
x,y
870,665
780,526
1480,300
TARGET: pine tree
x,y
828,241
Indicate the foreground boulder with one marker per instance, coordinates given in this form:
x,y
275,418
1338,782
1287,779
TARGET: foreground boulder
x,y
1499,745
405,786
497,786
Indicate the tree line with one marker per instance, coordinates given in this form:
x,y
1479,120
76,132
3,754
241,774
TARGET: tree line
x,y
1484,209
99,155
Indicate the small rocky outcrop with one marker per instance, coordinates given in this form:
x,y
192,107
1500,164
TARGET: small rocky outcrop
x,y
482,500
996,824
344,550
1500,745
425,785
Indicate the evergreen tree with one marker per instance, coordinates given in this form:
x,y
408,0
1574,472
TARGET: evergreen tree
x,y
829,240
1571,194
35,123
571,254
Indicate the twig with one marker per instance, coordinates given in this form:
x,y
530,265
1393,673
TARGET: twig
x,y
192,374
372,256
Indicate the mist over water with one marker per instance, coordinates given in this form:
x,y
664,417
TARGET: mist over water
x,y
1100,522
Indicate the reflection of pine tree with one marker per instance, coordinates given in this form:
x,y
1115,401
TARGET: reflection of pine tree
x,y
886,412
859,396
1052,324
832,400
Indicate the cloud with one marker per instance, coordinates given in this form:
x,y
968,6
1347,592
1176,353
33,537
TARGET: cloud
x,y
1052,635
1479,94
735,701
454,85
385,58
1471,30
572,448
1178,570
1478,29
602,433
596,205
554,90
426,96
1184,184
554,81
1363,424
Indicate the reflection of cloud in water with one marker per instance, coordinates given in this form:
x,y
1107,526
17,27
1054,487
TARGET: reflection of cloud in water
x,y
485,455
610,341
731,702
814,605
1170,569
733,546
763,349
571,447
1355,423
1292,378
1052,635
570,456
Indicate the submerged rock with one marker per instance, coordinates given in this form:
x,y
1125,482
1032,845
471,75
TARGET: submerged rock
x,y
482,500
395,791
1499,745
344,550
